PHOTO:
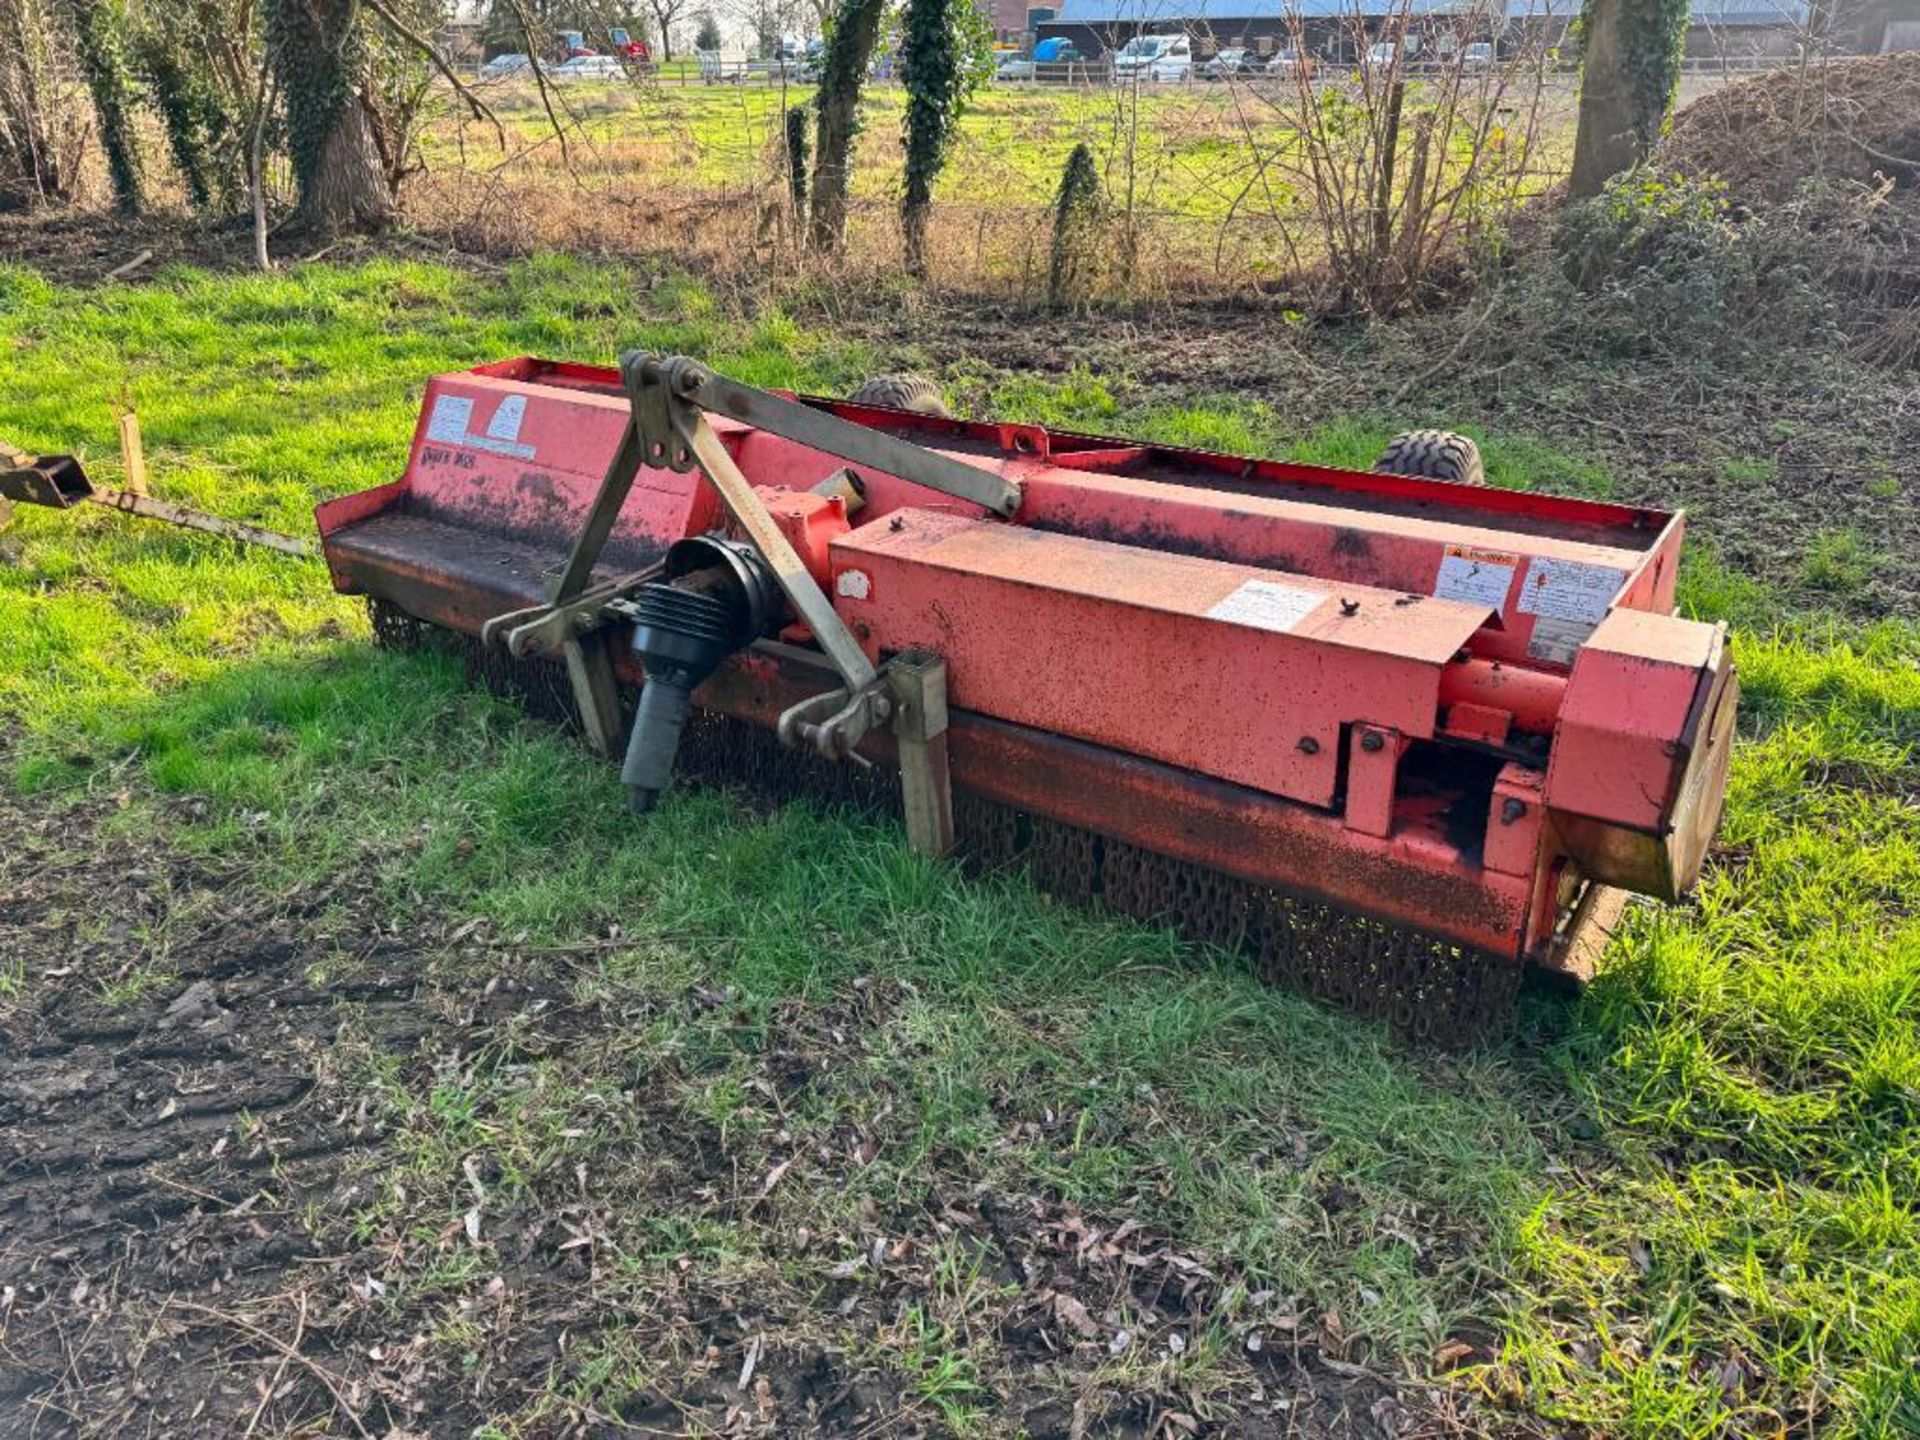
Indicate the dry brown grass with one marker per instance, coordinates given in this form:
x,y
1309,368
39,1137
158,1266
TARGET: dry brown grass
x,y
747,231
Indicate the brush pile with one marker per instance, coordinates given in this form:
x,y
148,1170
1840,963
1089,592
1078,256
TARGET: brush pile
x,y
1822,163
1845,122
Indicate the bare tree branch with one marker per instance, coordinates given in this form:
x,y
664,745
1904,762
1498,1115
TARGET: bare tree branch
x,y
479,107
540,80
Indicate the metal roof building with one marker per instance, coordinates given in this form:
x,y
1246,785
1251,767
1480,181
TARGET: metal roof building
x,y
1097,25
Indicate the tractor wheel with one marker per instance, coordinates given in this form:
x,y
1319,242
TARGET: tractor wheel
x,y
1433,455
902,392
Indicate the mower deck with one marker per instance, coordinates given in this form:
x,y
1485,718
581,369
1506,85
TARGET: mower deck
x,y
1391,736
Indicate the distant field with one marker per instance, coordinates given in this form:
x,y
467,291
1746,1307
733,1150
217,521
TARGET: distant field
x,y
1206,169
1211,174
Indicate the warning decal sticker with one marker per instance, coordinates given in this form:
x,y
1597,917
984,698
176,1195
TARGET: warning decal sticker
x,y
1265,605
1557,641
451,423
449,419
1478,577
505,425
1570,590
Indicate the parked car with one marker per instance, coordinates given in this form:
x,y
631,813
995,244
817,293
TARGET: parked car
x,y
1381,58
501,66
1172,68
1015,68
1478,56
1228,63
1154,57
1289,64
591,67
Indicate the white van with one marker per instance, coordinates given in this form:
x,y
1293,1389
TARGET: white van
x,y
1154,57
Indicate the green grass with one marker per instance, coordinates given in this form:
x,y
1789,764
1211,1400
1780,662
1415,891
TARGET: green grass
x,y
1685,1201
1837,561
1756,1060
1199,162
1192,153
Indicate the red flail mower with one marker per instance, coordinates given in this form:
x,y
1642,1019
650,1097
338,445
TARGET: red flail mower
x,y
1397,738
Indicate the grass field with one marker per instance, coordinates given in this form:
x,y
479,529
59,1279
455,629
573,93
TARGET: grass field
x,y
1682,1205
1195,142
1211,175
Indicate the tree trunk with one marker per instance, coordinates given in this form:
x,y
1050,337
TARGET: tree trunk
x,y
664,15
849,52
797,164
348,193
99,41
1628,76
930,70
196,60
318,53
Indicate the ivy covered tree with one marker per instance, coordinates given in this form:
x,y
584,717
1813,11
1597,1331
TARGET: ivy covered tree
x,y
1079,224
797,161
320,56
849,51
196,59
930,70
1629,74
36,156
99,42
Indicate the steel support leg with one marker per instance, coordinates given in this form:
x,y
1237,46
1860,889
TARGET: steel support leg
x,y
590,672
918,681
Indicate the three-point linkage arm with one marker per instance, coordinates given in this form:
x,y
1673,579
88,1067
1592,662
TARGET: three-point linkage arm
x,y
681,634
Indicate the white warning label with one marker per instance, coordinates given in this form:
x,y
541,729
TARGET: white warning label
x,y
1266,605
1569,589
447,422
505,424
1478,577
450,422
1558,641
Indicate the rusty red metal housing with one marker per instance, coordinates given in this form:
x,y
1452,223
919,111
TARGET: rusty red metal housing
x,y
1445,707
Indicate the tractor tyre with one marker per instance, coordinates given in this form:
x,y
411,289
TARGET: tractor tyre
x,y
1433,455
902,392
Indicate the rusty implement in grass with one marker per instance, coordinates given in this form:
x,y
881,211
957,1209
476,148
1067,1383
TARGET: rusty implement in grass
x,y
1395,738
58,482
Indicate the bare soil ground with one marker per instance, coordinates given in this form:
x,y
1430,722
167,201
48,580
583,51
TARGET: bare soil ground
x,y
222,1212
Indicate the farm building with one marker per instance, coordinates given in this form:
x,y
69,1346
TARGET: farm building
x,y
1008,19
1873,27
1732,28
